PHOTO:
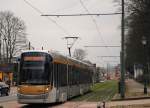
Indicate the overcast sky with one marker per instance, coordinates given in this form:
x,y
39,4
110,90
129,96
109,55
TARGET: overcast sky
x,y
49,33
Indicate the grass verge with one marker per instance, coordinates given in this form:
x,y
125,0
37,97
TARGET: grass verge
x,y
100,92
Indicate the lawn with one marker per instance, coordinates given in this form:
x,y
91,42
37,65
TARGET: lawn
x,y
100,92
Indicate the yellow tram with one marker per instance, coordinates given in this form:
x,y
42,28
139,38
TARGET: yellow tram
x,y
49,77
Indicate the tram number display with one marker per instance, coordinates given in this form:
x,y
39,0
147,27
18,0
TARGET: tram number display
x,y
34,58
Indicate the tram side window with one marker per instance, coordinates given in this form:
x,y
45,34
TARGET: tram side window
x,y
60,75
91,74
86,81
70,74
63,74
84,76
47,75
88,76
54,71
77,75
73,76
56,75
49,69
81,76
51,72
80,72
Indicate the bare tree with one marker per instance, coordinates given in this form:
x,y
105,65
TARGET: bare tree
x,y
12,30
79,54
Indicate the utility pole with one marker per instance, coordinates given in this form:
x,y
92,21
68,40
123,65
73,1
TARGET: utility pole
x,y
0,48
29,45
70,44
3,51
122,80
107,71
69,48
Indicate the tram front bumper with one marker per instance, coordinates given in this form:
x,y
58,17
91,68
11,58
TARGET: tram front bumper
x,y
42,98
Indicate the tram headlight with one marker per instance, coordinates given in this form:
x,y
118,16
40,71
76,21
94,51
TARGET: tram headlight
x,y
47,89
18,89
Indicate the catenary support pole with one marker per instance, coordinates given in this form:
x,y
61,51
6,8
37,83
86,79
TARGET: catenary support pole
x,y
122,80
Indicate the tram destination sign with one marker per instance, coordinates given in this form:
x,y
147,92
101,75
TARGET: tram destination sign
x,y
34,58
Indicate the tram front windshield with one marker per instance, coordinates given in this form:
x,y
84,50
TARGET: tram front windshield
x,y
35,69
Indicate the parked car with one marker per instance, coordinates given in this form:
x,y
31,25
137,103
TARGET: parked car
x,y
4,89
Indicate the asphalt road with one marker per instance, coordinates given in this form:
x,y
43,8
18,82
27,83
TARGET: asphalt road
x,y
11,101
12,95
7,98
14,104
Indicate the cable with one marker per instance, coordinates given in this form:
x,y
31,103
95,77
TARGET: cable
x,y
92,20
96,25
89,14
37,10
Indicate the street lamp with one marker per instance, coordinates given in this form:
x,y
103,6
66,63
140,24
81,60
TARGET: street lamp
x,y
144,42
70,44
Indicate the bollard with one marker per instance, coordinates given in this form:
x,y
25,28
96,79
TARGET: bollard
x,y
99,105
119,86
103,104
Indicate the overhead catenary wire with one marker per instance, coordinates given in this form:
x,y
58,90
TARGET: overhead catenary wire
x,y
91,18
62,28
94,21
53,21
82,14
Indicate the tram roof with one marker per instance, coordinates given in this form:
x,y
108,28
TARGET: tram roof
x,y
58,56
45,51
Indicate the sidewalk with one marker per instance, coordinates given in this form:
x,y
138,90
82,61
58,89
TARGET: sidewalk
x,y
141,103
134,96
13,91
135,89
